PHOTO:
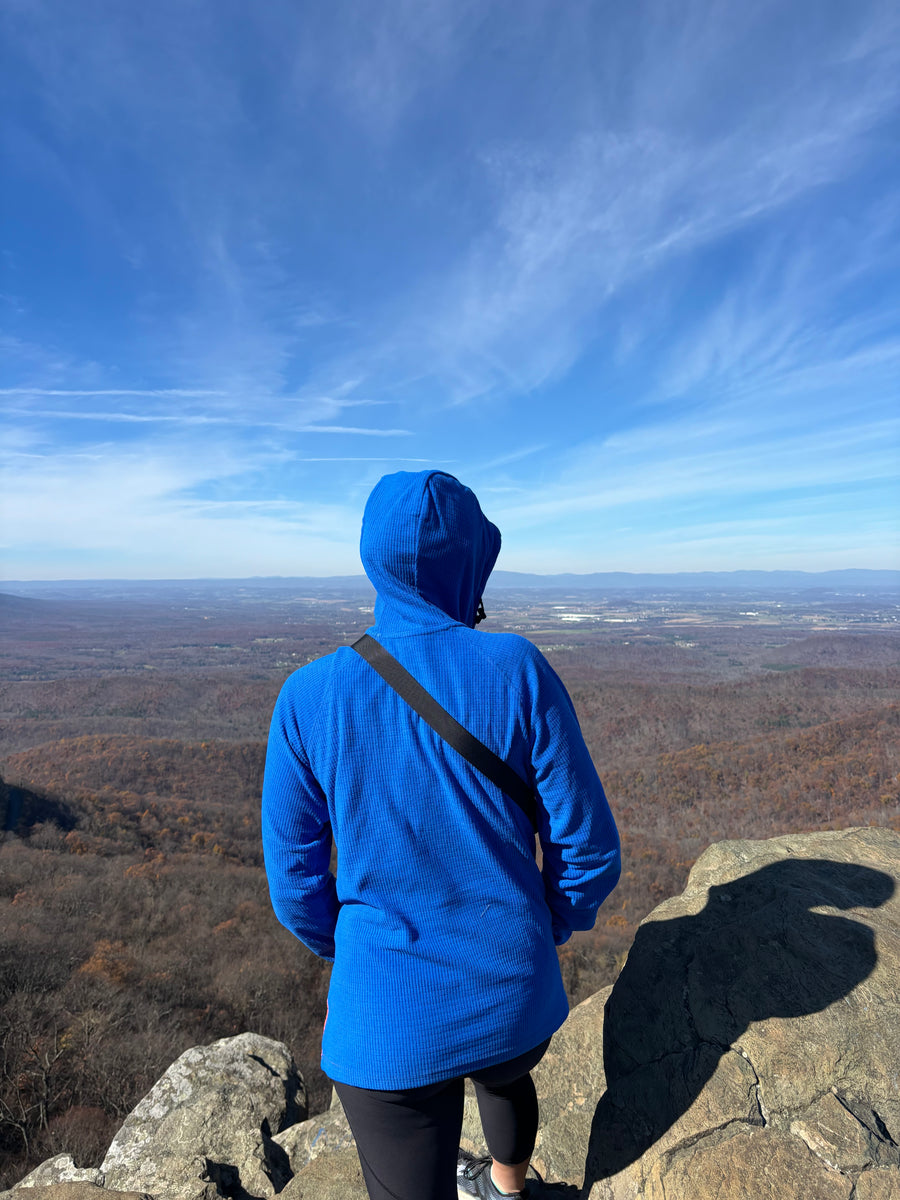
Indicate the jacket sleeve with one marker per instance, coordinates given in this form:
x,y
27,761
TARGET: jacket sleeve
x,y
579,840
296,833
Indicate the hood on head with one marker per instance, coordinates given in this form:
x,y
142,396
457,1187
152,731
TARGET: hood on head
x,y
426,545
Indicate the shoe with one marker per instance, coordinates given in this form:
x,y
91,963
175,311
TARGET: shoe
x,y
474,1182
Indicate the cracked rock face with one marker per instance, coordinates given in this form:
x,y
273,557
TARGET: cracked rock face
x,y
206,1128
750,1045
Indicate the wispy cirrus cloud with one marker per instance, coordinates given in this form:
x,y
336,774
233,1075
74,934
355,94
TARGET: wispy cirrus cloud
x,y
154,393
578,223
799,320
668,493
125,418
613,262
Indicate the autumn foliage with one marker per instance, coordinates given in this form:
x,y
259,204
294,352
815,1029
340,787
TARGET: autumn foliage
x,y
134,912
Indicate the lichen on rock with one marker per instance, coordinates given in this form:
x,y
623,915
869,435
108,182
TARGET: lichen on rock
x,y
206,1128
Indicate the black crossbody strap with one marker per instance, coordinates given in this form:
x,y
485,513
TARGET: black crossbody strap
x,y
422,702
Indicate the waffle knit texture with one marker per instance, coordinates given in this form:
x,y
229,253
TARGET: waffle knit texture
x,y
441,926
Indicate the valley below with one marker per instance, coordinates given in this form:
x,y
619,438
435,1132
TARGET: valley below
x,y
134,913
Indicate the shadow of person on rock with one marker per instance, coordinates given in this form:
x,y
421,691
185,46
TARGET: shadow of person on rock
x,y
693,984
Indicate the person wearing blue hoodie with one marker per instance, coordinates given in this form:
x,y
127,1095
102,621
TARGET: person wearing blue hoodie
x,y
440,922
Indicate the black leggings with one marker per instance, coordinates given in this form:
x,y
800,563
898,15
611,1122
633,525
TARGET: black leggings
x,y
408,1140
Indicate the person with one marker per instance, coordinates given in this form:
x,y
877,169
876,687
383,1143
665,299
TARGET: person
x,y
440,923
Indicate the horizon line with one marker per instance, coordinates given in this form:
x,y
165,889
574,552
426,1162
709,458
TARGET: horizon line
x,y
573,575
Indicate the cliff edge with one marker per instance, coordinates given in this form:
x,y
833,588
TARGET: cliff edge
x,y
749,1048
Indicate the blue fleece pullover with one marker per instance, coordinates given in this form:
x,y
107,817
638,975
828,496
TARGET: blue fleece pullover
x,y
441,926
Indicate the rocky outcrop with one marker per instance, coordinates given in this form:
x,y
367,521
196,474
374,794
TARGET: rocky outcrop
x,y
207,1126
750,1045
749,1048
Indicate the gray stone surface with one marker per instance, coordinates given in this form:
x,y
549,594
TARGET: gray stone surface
x,y
878,1185
323,1134
749,1048
752,1035
206,1127
764,1164
332,1176
60,1169
76,1190
569,1079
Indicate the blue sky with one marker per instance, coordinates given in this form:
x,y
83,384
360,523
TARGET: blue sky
x,y
628,270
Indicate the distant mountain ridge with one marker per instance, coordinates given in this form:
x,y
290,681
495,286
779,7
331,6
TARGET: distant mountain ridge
x,y
849,580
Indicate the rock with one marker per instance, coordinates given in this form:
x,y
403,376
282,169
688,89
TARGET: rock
x,y
207,1126
325,1133
748,1048
60,1169
840,1138
749,1045
568,1080
766,1165
878,1185
331,1170
333,1176
73,1190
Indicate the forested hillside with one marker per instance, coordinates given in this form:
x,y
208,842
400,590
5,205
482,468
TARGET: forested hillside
x,y
134,915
